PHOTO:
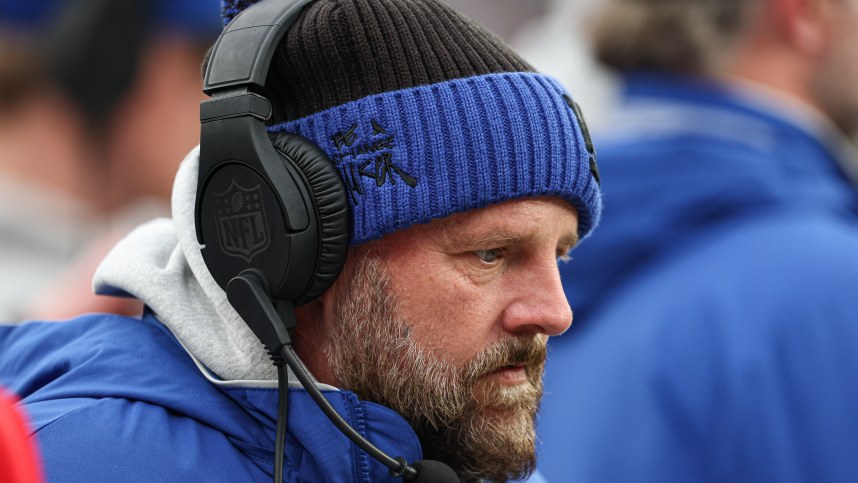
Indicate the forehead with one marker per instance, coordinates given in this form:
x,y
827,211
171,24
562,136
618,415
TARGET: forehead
x,y
522,219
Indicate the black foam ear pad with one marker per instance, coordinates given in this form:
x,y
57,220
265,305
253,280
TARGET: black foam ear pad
x,y
330,204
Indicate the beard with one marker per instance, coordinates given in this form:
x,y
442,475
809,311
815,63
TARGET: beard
x,y
483,430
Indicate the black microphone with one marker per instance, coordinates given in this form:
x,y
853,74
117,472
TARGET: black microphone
x,y
248,295
431,471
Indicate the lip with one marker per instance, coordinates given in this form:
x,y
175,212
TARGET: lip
x,y
509,375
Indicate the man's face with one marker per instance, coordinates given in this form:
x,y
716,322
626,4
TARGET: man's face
x,y
446,323
834,84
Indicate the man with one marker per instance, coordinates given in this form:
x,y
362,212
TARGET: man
x,y
717,303
468,176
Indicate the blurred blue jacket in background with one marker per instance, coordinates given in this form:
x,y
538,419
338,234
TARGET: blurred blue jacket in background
x,y
716,308
192,18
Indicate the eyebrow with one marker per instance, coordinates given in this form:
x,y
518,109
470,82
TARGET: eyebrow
x,y
500,237
496,236
569,241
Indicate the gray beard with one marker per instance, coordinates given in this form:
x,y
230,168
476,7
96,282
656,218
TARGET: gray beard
x,y
482,430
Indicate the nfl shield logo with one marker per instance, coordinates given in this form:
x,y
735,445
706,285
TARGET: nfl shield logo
x,y
242,230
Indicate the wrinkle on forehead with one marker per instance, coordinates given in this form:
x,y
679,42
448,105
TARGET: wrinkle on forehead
x,y
518,220
509,222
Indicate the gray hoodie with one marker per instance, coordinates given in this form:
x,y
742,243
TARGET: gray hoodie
x,y
160,264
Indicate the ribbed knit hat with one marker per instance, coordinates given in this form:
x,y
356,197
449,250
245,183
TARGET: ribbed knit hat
x,y
426,113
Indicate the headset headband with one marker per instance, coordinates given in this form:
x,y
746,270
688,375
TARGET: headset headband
x,y
243,52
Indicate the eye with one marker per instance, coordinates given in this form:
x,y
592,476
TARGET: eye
x,y
489,256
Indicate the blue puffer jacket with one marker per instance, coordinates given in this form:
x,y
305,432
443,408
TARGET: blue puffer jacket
x,y
716,334
118,399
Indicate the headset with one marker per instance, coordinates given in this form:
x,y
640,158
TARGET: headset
x,y
271,212
277,206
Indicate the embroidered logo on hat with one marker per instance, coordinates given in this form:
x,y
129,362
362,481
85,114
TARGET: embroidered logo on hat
x,y
369,156
444,120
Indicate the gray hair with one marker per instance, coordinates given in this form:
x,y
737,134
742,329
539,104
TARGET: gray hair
x,y
673,35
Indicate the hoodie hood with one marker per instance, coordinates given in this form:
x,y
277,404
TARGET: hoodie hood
x,y
686,159
160,264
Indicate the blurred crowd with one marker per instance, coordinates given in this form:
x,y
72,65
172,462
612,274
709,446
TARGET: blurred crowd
x,y
98,104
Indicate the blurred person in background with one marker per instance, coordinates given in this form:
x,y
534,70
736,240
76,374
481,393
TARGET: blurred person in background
x,y
556,42
717,307
551,36
98,98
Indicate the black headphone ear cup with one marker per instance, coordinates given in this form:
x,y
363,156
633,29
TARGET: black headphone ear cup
x,y
330,204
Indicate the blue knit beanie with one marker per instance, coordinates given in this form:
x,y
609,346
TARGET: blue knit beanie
x,y
426,114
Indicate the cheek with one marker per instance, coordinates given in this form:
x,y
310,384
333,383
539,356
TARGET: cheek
x,y
446,313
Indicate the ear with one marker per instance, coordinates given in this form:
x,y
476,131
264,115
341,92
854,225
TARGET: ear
x,y
316,320
802,24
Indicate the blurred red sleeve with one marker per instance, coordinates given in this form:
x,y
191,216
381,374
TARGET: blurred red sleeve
x,y
19,458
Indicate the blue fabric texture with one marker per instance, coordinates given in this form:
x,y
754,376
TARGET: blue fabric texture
x,y
416,154
231,8
717,306
117,399
28,14
191,18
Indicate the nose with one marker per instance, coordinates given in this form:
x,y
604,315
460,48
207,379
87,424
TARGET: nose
x,y
537,303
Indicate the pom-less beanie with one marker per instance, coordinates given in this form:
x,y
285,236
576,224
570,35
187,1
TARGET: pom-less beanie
x,y
426,113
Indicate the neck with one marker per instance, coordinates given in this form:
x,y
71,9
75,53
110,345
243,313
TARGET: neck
x,y
310,338
775,67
